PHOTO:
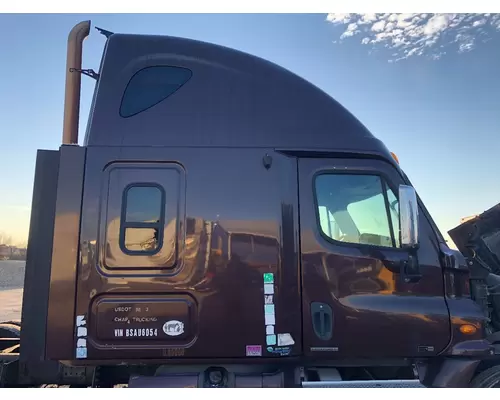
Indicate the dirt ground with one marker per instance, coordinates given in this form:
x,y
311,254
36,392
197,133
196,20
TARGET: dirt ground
x,y
11,289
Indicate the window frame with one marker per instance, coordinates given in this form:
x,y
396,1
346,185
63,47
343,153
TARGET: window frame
x,y
385,183
124,225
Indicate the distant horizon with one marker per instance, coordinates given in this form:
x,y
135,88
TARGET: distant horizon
x,y
8,239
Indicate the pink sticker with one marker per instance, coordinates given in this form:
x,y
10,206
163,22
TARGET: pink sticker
x,y
254,351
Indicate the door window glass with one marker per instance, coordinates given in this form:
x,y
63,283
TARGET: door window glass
x,y
357,209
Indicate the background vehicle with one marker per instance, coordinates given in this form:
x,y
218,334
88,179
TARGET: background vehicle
x,y
226,223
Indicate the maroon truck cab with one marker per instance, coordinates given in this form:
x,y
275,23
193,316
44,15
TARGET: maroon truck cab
x,y
228,221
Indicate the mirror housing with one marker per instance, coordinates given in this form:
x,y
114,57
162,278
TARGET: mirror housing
x,y
408,217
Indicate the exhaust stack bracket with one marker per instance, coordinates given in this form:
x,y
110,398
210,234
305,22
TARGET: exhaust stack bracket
x,y
88,72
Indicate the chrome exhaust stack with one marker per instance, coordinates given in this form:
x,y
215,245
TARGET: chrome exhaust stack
x,y
73,82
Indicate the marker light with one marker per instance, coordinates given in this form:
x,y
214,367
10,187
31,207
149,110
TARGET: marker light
x,y
395,157
468,329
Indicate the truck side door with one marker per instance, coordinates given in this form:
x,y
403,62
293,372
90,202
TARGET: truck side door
x,y
355,303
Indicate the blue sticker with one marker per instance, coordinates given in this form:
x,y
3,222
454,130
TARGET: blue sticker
x,y
81,352
271,340
282,351
269,309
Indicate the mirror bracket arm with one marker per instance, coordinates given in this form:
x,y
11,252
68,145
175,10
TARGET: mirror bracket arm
x,y
410,270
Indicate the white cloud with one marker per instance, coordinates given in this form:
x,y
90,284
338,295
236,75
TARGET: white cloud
x,y
436,25
465,42
378,26
413,35
350,31
367,19
335,18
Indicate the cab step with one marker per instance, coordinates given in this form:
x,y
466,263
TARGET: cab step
x,y
399,383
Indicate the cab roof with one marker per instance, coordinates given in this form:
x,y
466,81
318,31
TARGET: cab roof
x,y
213,97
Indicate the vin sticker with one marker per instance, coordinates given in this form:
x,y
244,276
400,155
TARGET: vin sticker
x,y
254,351
139,332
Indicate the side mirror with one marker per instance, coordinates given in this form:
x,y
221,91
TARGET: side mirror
x,y
408,217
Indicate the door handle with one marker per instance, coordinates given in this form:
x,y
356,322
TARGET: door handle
x,y
322,320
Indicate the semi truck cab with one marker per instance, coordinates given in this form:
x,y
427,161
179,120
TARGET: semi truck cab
x,y
228,222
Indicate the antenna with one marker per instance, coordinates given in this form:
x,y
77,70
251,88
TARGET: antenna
x,y
104,32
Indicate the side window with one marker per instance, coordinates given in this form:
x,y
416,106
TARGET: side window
x,y
142,219
328,223
150,86
358,209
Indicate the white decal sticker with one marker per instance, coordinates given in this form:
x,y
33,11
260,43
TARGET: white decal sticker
x,y
173,328
270,320
270,330
81,352
141,332
268,288
123,309
268,299
285,339
254,351
136,332
144,319
81,331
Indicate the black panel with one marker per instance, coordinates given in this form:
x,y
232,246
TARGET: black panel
x,y
38,263
60,315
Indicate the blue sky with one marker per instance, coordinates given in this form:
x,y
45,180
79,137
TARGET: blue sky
x,y
427,85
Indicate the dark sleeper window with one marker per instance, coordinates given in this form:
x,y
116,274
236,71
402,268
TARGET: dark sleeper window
x,y
142,219
150,86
